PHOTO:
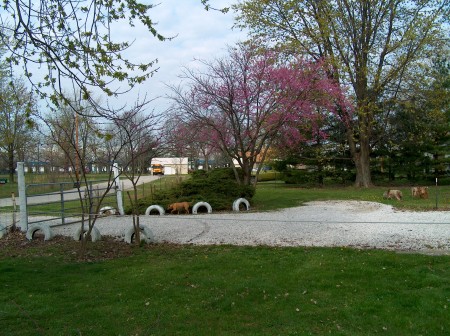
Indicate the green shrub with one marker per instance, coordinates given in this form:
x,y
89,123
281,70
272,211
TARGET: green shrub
x,y
218,187
444,181
299,177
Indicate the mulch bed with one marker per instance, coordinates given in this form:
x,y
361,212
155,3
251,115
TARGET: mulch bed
x,y
14,244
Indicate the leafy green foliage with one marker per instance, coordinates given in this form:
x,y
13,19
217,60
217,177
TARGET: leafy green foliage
x,y
383,65
417,144
17,127
218,187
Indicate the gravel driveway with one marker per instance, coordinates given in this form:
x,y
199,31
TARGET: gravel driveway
x,y
332,223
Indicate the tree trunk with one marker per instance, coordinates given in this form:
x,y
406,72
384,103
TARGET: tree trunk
x,y
361,158
362,163
247,177
246,172
320,177
206,165
11,167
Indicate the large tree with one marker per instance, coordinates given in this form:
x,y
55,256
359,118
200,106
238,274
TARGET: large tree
x,y
75,136
70,42
248,98
374,47
17,105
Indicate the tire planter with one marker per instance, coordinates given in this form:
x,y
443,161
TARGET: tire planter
x,y
45,228
2,230
199,205
95,234
107,211
238,202
158,208
146,234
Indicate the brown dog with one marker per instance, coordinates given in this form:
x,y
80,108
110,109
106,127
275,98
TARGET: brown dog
x,y
177,207
421,192
393,193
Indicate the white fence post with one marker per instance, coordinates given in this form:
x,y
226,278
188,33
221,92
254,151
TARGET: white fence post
x,y
118,189
23,221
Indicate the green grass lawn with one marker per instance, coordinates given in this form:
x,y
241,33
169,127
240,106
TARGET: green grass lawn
x,y
271,196
223,290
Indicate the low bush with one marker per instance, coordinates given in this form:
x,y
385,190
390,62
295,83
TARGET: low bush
x,y
299,177
218,187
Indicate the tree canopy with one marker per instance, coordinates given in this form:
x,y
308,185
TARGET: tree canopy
x,y
248,99
72,42
16,125
377,48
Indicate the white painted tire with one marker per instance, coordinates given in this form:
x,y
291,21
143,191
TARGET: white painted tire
x,y
45,228
158,208
146,234
95,234
2,230
238,202
107,210
199,205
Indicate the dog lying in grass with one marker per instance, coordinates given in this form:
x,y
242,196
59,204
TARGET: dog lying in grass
x,y
393,193
177,207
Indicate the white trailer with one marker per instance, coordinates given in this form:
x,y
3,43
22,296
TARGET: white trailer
x,y
174,165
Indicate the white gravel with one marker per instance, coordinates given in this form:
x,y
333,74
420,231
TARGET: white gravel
x,y
331,223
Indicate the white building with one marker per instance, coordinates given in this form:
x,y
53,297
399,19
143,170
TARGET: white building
x,y
173,166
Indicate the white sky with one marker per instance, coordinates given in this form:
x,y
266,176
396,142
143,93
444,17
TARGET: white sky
x,y
199,34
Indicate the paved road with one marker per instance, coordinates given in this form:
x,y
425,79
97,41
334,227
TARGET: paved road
x,y
73,194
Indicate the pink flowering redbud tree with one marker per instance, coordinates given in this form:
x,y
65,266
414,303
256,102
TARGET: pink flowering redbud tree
x,y
249,99
188,138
